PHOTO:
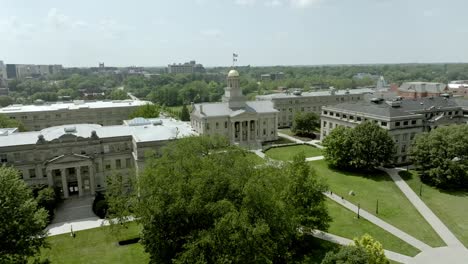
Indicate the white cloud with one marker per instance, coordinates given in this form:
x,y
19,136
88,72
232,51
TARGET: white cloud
x,y
303,3
273,3
111,28
57,20
212,33
245,2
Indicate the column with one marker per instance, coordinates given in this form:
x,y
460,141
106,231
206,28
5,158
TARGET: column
x,y
240,131
91,179
80,183
49,178
64,183
233,131
248,130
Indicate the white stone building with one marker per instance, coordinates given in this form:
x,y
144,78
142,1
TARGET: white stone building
x,y
40,116
77,158
246,123
290,103
403,119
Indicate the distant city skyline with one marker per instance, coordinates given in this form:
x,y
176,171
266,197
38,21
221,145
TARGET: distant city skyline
x,y
262,32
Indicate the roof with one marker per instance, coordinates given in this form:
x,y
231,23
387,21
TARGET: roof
x,y
74,105
152,130
222,109
233,73
422,87
313,94
406,107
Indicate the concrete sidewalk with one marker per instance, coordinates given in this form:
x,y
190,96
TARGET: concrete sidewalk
x,y
440,228
344,241
379,222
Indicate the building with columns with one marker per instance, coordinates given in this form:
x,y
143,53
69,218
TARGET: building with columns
x,y
245,123
77,158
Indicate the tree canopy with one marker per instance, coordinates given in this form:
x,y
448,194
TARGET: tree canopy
x,y
22,221
146,111
363,147
184,113
364,251
442,156
204,201
6,122
305,123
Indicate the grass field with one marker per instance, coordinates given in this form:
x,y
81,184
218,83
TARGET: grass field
x,y
287,153
288,132
96,245
450,207
393,205
346,224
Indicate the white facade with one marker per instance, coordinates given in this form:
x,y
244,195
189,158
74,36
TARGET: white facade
x,y
246,123
77,158
37,117
289,104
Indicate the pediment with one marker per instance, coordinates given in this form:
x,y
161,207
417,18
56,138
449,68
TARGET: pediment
x,y
68,158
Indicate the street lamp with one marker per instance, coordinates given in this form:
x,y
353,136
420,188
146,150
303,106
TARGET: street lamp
x,y
358,209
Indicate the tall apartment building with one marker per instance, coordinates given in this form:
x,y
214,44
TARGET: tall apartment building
x,y
403,118
40,116
290,103
3,79
75,159
19,71
185,68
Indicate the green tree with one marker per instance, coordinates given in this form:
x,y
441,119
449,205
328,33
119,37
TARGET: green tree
x,y
347,255
23,222
6,122
373,248
441,156
305,123
47,199
205,201
184,114
5,100
118,94
120,197
364,147
146,111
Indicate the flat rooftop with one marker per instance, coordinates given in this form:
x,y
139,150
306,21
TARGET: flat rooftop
x,y
142,130
314,94
73,105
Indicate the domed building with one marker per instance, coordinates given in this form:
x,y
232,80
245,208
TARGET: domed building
x,y
245,123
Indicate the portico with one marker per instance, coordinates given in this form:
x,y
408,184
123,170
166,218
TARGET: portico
x,y
244,131
74,174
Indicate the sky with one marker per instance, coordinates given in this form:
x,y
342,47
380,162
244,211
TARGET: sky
x,y
263,32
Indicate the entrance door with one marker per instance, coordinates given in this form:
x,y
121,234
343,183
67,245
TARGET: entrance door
x,y
73,188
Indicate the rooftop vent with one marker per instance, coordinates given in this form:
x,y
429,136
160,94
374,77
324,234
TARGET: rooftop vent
x,y
139,121
297,92
157,122
70,129
394,103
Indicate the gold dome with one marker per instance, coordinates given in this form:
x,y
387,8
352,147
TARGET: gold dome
x,y
233,73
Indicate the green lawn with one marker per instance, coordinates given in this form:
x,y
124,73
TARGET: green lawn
x,y
394,207
287,153
346,224
288,132
255,158
450,207
96,245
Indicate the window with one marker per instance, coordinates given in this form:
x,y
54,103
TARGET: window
x,y
207,126
217,125
397,123
405,123
32,173
456,112
413,122
24,117
118,164
397,138
324,123
83,152
290,110
403,148
225,124
3,158
412,135
107,164
358,118
58,115
325,112
337,114
405,137
384,124
128,163
106,148
345,116
450,113
351,117
264,132
44,173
